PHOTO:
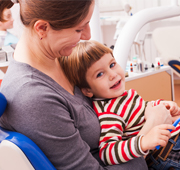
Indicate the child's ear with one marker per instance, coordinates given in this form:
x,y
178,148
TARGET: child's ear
x,y
87,92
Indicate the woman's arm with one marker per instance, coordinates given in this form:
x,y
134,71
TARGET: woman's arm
x,y
43,116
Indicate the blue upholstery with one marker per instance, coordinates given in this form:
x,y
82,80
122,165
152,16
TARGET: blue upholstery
x,y
3,104
34,154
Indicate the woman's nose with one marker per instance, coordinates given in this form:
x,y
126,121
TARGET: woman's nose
x,y
12,19
86,34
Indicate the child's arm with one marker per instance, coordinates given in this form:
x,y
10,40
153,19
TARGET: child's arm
x,y
114,148
159,135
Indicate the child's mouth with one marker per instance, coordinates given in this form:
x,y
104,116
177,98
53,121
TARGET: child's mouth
x,y
116,85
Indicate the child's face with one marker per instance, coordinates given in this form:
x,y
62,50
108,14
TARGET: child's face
x,y
8,24
105,78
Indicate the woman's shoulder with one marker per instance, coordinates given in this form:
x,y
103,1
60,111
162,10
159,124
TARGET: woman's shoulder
x,y
23,80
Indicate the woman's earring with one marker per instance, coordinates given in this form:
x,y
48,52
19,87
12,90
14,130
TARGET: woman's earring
x,y
41,38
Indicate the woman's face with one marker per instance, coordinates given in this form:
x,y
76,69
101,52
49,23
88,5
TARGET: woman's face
x,y
62,42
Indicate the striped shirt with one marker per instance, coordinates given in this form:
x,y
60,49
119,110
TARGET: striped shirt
x,y
121,119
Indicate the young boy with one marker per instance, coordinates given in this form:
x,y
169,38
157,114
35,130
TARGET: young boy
x,y
120,112
6,22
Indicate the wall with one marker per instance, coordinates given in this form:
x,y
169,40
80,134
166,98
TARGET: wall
x,y
18,27
109,22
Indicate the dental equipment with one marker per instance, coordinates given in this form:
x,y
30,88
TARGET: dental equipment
x,y
135,23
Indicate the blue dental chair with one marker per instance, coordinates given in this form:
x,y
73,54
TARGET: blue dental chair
x,y
18,152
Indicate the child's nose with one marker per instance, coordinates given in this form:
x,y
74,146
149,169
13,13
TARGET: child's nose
x,y
112,75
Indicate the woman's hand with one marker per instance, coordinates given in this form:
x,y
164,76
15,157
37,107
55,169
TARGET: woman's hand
x,y
158,135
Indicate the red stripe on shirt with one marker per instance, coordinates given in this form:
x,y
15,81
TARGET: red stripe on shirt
x,y
136,111
126,104
100,152
110,153
131,149
112,125
109,137
108,113
123,153
111,104
177,128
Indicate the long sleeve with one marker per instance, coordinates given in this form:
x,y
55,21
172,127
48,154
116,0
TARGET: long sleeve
x,y
113,149
120,120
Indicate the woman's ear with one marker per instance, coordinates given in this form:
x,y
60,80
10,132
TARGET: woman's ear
x,y
41,27
87,92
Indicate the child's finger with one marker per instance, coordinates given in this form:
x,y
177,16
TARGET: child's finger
x,y
173,109
162,143
174,118
165,134
175,113
166,127
164,137
178,111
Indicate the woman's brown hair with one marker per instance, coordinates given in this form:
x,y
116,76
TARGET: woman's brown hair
x,y
4,4
60,14
83,56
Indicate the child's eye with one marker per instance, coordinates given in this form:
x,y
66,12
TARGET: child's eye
x,y
99,74
112,65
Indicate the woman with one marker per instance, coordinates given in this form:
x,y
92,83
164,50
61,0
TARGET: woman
x,y
43,105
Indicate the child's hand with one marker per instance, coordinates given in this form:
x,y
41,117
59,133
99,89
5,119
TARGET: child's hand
x,y
157,114
172,107
174,118
159,135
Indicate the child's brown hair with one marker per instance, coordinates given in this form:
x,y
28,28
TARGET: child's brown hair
x,y
83,56
3,5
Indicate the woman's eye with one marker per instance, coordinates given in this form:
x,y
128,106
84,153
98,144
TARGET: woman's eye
x,y
99,74
112,65
78,31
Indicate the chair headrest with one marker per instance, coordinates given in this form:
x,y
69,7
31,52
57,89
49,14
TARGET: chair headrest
x,y
3,104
